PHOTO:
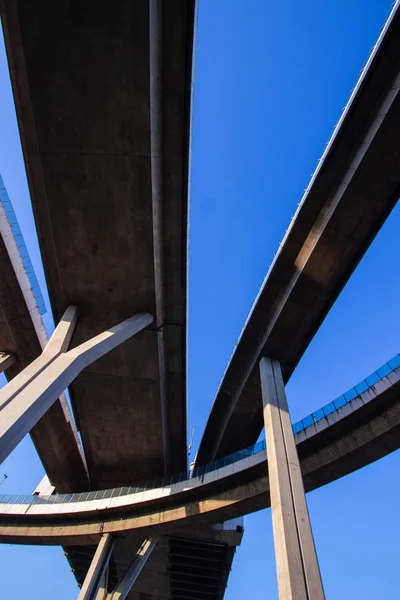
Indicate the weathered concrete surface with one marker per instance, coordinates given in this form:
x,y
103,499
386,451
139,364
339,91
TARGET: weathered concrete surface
x,y
58,343
356,185
296,559
363,431
54,435
81,79
25,405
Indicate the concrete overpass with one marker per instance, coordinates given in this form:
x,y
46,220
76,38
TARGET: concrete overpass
x,y
103,104
348,433
353,190
108,177
352,431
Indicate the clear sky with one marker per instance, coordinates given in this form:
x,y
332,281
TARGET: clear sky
x,y
271,80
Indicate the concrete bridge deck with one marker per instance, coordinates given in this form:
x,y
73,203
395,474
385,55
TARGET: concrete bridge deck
x,y
354,433
103,104
105,132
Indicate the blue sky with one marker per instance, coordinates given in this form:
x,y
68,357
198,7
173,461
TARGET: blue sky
x,y
271,80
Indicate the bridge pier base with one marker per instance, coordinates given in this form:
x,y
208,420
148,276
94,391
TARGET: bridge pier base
x,y
296,559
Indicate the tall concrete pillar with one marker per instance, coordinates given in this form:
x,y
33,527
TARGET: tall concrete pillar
x,y
296,560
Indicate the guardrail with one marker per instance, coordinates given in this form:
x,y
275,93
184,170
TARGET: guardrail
x,y
142,487
363,386
348,396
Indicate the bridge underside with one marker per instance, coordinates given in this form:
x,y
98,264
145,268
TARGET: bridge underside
x,y
90,130
103,102
181,567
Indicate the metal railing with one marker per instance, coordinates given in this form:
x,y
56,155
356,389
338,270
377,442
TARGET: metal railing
x,y
142,487
351,394
363,386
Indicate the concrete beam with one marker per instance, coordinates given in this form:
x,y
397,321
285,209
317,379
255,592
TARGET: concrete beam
x,y
65,174
103,587
99,564
125,585
44,488
21,411
54,436
58,343
56,440
6,360
156,100
296,560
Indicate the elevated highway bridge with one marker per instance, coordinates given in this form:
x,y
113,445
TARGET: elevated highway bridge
x,y
103,103
348,433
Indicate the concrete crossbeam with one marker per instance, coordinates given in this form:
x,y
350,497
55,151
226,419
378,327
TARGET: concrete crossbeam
x,y
296,560
125,585
95,575
6,360
58,343
20,411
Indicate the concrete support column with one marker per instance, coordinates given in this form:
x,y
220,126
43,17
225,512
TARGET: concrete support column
x,y
95,576
102,592
28,396
57,344
134,570
296,560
